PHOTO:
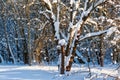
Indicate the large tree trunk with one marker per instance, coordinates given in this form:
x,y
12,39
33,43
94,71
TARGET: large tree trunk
x,y
69,43
70,32
62,71
68,67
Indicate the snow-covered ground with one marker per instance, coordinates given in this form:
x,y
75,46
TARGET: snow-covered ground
x,y
20,72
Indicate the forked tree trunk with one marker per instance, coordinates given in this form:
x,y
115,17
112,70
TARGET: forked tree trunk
x,y
68,68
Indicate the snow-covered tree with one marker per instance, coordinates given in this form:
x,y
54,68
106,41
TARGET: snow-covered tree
x,y
78,13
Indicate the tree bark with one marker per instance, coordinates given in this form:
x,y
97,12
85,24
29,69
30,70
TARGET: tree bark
x,y
62,71
68,68
29,32
24,44
101,54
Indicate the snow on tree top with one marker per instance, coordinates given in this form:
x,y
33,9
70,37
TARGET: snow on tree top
x,y
62,42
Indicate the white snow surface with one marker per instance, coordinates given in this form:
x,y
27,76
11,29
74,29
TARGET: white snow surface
x,y
39,72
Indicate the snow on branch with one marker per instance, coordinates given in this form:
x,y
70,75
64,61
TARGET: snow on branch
x,y
81,56
85,14
93,34
72,1
49,3
49,11
99,2
35,19
89,20
43,26
62,42
77,3
63,35
109,32
32,3
44,13
54,1
56,24
85,5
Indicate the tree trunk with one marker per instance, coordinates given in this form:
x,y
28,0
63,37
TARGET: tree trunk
x,y
29,32
101,54
24,45
98,58
69,43
10,53
68,67
70,32
62,70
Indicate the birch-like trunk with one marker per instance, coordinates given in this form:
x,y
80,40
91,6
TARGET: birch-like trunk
x,y
22,34
10,53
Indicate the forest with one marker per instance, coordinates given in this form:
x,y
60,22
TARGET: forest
x,y
60,32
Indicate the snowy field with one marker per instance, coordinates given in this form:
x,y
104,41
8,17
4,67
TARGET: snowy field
x,y
19,72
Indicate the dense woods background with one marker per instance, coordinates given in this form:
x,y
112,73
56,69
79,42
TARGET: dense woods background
x,y
39,31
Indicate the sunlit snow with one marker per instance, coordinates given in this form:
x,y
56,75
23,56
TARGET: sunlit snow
x,y
78,72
